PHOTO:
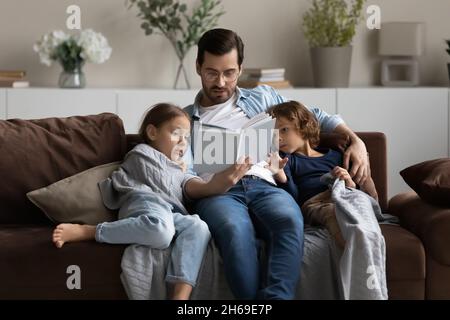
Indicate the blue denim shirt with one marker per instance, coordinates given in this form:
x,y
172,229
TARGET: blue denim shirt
x,y
257,100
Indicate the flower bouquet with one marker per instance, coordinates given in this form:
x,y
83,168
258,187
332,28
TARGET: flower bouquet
x,y
72,51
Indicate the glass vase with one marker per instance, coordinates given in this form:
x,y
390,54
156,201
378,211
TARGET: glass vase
x,y
72,78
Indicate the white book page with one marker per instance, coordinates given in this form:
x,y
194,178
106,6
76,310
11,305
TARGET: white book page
x,y
256,142
259,117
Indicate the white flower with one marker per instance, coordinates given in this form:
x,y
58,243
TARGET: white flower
x,y
95,46
47,44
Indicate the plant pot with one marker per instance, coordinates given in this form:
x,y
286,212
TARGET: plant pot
x,y
331,66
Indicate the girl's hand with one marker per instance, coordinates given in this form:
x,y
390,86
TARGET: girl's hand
x,y
343,174
221,182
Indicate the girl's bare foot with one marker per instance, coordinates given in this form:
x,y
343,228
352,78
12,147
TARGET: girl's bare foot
x,y
68,232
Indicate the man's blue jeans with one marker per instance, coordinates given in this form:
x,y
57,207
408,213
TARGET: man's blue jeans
x,y
252,209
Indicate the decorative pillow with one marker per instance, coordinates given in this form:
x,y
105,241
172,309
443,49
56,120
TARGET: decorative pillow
x,y
37,153
430,180
76,199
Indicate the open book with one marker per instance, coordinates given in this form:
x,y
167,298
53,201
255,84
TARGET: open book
x,y
216,148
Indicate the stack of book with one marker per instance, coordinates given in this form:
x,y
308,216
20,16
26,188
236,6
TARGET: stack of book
x,y
13,79
274,77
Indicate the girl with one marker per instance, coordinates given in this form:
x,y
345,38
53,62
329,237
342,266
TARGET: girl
x,y
148,190
303,164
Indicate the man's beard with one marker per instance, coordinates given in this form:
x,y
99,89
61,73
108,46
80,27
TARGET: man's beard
x,y
212,96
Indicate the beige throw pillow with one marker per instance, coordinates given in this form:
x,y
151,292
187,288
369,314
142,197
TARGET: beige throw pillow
x,y
76,199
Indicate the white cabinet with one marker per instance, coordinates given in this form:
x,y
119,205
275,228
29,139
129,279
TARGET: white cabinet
x,y
132,104
415,121
2,104
321,98
45,103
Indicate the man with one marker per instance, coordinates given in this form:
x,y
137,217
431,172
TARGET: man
x,y
254,207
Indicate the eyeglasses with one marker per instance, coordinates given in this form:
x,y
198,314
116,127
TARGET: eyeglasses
x,y
228,75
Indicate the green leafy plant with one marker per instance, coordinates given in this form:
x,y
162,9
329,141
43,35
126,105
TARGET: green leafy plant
x,y
332,23
170,19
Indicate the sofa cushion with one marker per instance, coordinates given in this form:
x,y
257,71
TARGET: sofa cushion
x,y
405,255
76,199
430,180
31,267
37,153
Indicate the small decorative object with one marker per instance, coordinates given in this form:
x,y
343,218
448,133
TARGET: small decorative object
x,y
400,43
329,26
448,51
72,51
165,17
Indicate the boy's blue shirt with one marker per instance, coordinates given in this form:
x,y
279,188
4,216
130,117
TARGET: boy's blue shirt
x,y
304,173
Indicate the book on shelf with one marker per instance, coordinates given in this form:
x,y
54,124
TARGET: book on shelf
x,y
275,84
216,148
264,71
268,78
14,83
12,74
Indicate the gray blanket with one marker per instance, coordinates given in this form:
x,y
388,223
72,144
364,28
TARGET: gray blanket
x,y
143,271
326,273
362,265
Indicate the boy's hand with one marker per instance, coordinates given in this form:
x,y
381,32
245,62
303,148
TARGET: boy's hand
x,y
275,163
343,174
276,166
221,182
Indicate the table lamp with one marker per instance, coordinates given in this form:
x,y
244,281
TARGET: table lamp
x,y
400,43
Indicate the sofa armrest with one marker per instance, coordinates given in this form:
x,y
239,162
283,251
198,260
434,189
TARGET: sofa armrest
x,y
376,146
431,224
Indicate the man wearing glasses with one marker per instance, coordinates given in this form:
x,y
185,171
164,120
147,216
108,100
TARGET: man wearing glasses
x,y
254,208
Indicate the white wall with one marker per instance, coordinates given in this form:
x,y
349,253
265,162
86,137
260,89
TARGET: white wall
x,y
270,29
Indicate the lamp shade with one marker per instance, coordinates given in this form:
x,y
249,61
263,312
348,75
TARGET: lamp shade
x,y
401,39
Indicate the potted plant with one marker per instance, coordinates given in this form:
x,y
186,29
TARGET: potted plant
x,y
329,26
170,19
448,51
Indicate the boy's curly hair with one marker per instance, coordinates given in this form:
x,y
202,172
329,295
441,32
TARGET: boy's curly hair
x,y
304,120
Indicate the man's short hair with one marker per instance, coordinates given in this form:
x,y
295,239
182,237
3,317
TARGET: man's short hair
x,y
219,42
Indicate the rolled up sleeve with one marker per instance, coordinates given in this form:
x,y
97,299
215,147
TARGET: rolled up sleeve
x,y
327,122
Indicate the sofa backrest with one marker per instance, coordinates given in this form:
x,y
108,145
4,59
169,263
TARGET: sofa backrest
x,y
36,153
375,144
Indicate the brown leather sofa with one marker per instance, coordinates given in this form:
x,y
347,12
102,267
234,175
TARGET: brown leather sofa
x,y
37,153
431,224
